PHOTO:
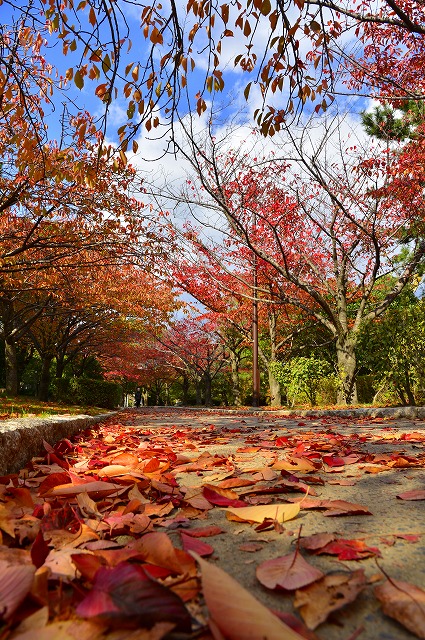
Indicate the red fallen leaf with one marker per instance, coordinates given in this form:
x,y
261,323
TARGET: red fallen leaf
x,y
288,572
250,547
342,508
156,548
351,459
349,550
204,532
126,459
232,483
281,441
87,564
415,494
193,544
64,446
409,537
405,603
316,541
21,496
218,497
15,584
63,518
151,466
333,461
157,573
401,462
126,597
415,436
53,480
39,550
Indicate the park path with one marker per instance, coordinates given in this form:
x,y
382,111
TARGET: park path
x,y
318,518
390,462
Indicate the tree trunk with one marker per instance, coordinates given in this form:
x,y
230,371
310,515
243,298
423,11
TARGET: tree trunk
x,y
11,366
185,389
207,389
236,387
275,392
43,390
198,393
60,365
408,387
347,365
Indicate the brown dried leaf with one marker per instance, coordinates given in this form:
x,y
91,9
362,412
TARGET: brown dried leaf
x,y
405,603
287,572
415,494
331,593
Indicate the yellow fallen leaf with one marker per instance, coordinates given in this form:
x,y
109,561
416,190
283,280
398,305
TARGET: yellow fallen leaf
x,y
97,486
278,512
298,465
236,612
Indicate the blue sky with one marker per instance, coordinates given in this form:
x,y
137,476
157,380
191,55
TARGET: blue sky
x,y
235,80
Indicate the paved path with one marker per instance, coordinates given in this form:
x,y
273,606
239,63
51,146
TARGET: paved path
x,y
391,461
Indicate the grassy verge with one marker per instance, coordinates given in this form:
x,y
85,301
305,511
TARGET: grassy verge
x,y
26,407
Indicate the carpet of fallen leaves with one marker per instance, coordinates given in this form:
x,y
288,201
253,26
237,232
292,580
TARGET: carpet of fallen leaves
x,y
116,534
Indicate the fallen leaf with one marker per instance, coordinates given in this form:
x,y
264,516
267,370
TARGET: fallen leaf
x,y
405,603
250,547
194,544
222,497
15,584
301,465
288,572
316,541
125,595
204,532
96,487
349,549
278,512
60,562
415,494
329,594
88,507
236,612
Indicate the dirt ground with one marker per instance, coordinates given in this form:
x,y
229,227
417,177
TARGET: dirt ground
x,y
240,548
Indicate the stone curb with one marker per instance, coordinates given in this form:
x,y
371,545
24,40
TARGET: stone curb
x,y
409,413
22,438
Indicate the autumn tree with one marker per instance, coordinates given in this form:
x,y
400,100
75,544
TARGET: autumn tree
x,y
100,313
330,231
185,54
230,295
192,347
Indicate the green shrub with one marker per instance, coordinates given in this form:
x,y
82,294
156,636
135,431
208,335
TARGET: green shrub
x,y
300,377
88,392
366,388
327,390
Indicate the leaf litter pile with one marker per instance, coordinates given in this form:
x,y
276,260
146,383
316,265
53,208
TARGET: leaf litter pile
x,y
143,528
